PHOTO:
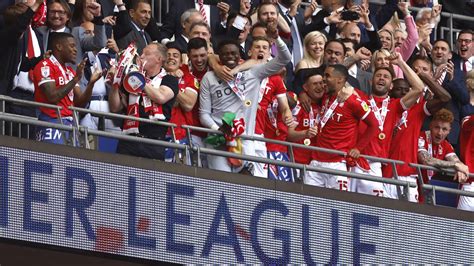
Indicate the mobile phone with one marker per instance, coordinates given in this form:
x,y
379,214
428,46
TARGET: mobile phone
x,y
211,2
349,15
356,2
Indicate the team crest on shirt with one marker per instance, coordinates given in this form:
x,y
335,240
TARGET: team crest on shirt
x,y
365,106
45,71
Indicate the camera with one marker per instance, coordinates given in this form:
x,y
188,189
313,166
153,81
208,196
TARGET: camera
x,y
349,15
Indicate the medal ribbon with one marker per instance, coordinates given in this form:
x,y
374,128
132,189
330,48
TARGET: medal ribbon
x,y
263,86
328,113
234,84
271,110
66,74
380,114
402,120
430,150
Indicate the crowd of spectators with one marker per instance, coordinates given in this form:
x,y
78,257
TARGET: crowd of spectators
x,y
335,74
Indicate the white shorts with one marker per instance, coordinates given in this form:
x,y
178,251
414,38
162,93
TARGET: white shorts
x,y
328,180
366,186
260,169
391,190
466,203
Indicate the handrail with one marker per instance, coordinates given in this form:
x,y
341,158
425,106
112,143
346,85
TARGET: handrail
x,y
405,184
291,144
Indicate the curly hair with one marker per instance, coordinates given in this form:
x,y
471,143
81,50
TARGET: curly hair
x,y
470,80
444,115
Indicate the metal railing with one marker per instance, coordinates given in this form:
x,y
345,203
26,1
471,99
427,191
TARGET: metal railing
x,y
189,148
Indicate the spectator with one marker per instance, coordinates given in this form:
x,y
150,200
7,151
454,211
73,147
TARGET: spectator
x,y
161,92
313,51
214,16
88,11
188,18
57,19
451,77
56,83
358,70
465,54
133,30
17,60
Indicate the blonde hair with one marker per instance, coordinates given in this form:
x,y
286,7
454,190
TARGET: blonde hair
x,y
307,40
470,80
391,35
374,57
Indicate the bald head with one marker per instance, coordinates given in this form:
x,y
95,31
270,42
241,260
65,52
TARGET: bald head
x,y
351,31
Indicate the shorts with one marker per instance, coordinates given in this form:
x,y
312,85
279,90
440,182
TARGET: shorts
x,y
466,203
368,187
391,190
53,135
260,169
328,180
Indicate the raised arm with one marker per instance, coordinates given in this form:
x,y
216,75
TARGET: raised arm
x,y
417,85
205,104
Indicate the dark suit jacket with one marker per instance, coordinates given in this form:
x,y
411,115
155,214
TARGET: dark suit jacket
x,y
181,43
365,80
125,32
43,36
460,96
172,21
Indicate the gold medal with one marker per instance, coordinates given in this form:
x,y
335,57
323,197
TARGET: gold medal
x,y
307,142
248,103
382,136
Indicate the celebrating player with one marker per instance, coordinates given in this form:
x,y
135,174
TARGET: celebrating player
x,y
338,130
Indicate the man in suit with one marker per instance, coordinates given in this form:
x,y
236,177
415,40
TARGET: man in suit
x,y
355,70
188,18
215,16
293,15
465,55
57,18
133,30
451,77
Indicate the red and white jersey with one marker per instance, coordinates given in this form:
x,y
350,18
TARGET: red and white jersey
x,y
467,143
338,126
304,120
404,145
439,151
275,128
270,88
390,111
178,116
192,118
50,70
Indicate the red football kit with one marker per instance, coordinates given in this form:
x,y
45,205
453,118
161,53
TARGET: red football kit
x,y
50,70
178,115
304,121
387,111
438,151
338,127
467,143
275,128
192,118
404,143
269,88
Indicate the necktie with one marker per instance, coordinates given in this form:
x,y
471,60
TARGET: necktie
x,y
464,67
142,33
202,10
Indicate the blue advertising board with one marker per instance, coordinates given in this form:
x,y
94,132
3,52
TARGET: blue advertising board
x,y
90,205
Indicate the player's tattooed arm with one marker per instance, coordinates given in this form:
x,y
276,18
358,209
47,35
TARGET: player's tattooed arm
x,y
54,95
452,162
